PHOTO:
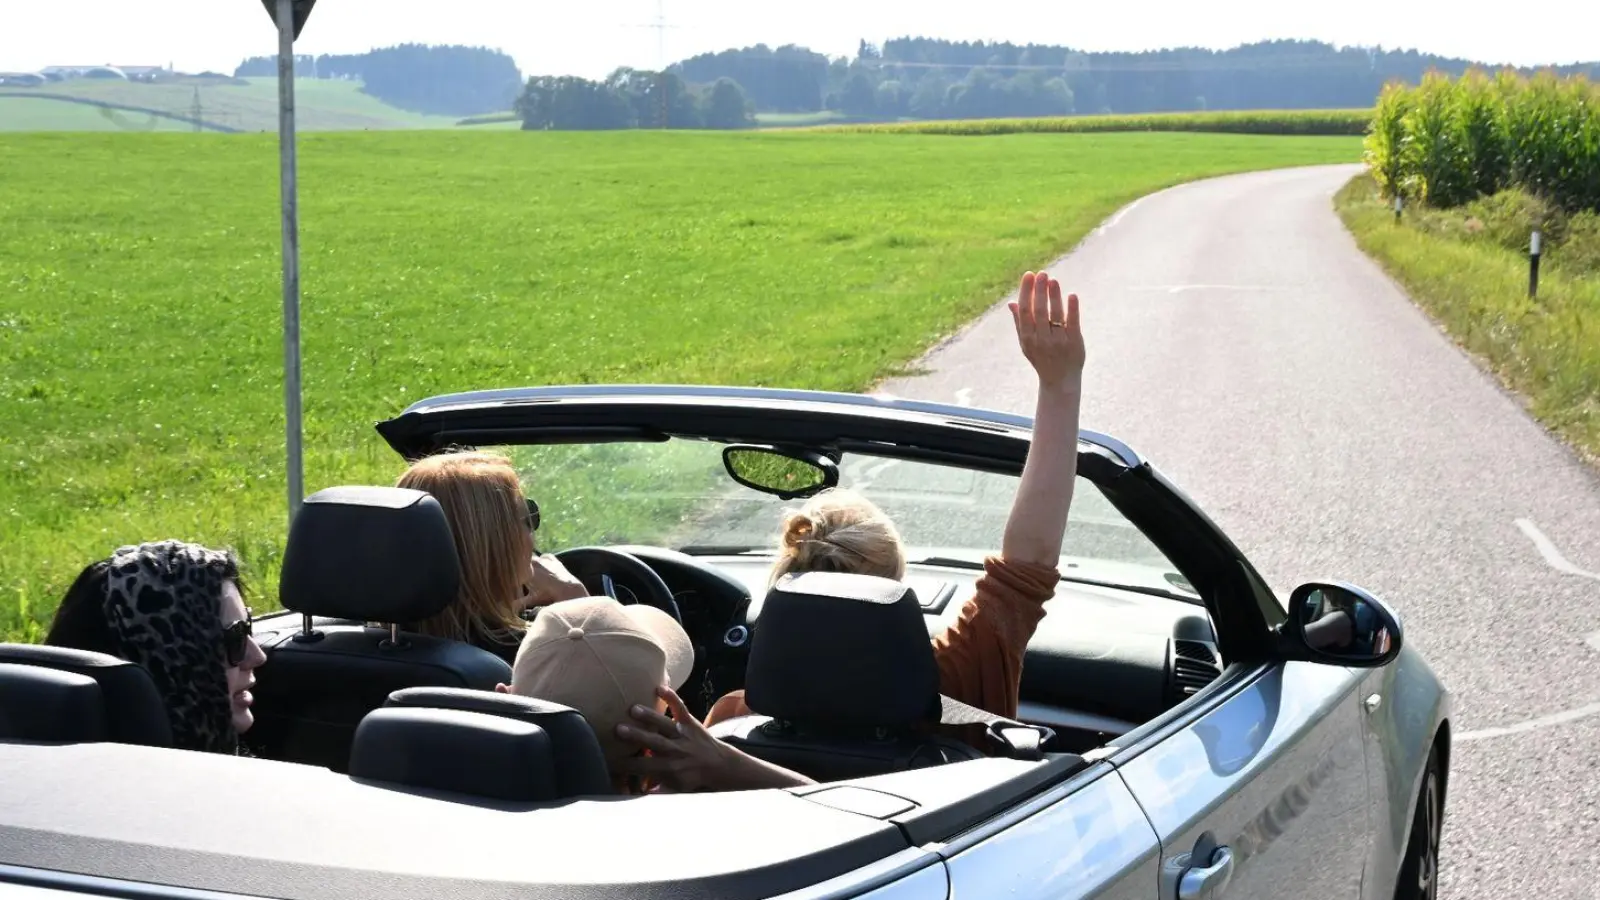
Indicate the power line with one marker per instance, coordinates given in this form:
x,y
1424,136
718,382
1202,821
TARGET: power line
x,y
660,25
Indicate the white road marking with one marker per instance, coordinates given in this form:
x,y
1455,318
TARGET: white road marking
x,y
1112,222
1180,288
1550,553
964,397
870,475
1558,562
1560,718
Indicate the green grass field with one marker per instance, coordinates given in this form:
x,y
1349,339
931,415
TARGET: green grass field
x,y
1249,121
1468,268
141,341
320,105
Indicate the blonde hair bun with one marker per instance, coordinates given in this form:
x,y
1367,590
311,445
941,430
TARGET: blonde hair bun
x,y
839,531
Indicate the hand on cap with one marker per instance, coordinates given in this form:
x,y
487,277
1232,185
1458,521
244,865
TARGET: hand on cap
x,y
551,583
686,757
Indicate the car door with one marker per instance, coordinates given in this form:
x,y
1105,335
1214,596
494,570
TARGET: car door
x,y
1085,838
1259,791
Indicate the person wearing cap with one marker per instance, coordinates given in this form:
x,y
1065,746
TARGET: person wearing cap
x,y
620,666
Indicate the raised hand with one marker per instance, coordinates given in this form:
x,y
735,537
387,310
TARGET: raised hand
x,y
1049,332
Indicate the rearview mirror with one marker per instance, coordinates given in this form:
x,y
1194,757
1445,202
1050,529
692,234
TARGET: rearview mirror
x,y
1342,624
788,474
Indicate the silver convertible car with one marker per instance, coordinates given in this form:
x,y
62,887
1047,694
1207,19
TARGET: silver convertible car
x,y
1185,730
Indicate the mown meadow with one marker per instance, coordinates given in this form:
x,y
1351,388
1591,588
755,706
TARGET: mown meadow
x,y
141,338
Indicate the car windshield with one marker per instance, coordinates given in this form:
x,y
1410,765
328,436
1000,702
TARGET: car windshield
x,y
677,494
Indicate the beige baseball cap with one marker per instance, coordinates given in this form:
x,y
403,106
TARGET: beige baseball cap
x,y
601,658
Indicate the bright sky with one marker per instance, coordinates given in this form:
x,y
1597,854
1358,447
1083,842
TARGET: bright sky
x,y
592,37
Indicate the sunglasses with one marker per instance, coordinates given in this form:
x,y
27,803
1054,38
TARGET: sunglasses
x,y
236,638
532,518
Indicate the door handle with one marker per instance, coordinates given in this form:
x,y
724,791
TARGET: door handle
x,y
1373,702
1205,883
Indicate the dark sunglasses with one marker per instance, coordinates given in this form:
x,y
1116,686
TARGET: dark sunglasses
x,y
532,519
236,638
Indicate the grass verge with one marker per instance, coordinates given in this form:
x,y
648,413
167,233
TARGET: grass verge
x,y
141,341
1468,268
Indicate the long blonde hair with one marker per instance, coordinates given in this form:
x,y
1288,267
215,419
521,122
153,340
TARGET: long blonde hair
x,y
839,531
482,498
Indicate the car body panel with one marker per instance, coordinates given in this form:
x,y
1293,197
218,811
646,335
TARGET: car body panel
x,y
1092,842
1411,716
1273,770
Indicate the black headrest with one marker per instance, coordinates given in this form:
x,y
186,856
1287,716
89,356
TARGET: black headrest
x,y
836,652
580,764
378,554
457,751
133,709
50,706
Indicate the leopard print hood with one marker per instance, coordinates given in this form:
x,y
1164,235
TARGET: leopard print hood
x,y
162,607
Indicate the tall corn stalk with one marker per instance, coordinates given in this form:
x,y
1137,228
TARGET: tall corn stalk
x,y
1385,142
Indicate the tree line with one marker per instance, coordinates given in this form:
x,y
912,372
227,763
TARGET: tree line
x,y
925,78
904,78
632,98
443,80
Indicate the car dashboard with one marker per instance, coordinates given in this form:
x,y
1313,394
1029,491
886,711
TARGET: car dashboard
x,y
1101,662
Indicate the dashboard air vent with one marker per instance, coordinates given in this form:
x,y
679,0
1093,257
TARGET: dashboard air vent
x,y
1194,665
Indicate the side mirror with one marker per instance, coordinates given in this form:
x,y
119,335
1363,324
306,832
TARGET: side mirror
x,y
1338,623
787,474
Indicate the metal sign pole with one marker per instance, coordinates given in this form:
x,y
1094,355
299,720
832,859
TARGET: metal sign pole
x,y
291,254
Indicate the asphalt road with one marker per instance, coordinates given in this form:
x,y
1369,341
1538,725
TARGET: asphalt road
x,y
1239,340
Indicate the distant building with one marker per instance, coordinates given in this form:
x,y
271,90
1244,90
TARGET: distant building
x,y
21,79
130,73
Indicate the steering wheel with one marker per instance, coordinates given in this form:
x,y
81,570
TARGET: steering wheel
x,y
596,567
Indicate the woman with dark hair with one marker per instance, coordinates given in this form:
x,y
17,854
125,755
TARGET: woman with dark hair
x,y
175,609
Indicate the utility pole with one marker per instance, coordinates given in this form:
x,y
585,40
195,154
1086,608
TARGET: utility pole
x,y
197,112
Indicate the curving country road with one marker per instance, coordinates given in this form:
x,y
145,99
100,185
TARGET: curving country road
x,y
1241,342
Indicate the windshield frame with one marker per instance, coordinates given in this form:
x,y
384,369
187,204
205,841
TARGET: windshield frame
x,y
1207,558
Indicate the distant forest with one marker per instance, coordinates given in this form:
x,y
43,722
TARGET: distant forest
x,y
904,78
936,79
440,81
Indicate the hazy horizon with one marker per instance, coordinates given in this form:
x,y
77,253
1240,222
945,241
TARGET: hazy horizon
x,y
544,39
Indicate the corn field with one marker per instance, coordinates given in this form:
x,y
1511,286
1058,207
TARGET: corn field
x,y
1446,141
1253,121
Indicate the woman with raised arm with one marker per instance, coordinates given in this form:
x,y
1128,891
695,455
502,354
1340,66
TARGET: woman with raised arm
x,y
980,654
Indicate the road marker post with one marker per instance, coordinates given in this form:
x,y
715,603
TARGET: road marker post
x,y
1398,203
1533,264
290,17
